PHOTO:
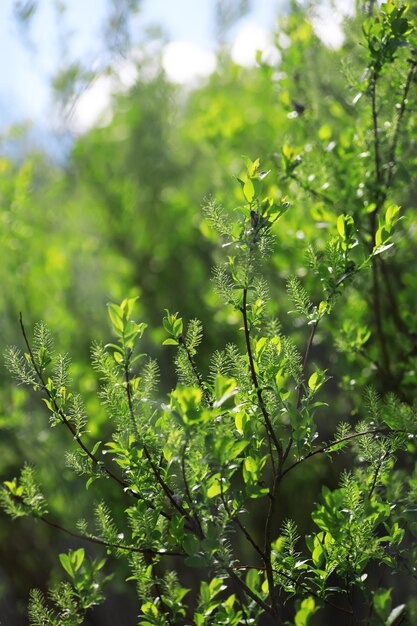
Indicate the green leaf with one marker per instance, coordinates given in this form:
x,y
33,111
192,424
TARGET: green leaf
x,y
215,488
66,564
224,389
197,561
313,381
77,558
170,342
395,613
305,612
116,316
249,190
191,544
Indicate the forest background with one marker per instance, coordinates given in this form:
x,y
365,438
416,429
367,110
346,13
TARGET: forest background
x,y
115,212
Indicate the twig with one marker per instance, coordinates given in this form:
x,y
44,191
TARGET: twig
x,y
197,374
77,438
236,520
316,194
269,428
303,377
324,449
376,473
187,490
107,544
299,584
249,592
268,541
155,469
396,136
377,156
378,317
92,538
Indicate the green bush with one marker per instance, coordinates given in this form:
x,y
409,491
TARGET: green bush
x,y
206,533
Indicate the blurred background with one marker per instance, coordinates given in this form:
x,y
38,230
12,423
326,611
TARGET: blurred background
x,y
118,118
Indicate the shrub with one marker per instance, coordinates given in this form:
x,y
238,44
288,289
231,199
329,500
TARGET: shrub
x,y
203,473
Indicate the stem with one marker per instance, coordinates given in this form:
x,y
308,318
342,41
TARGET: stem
x,y
249,592
376,473
305,363
299,584
269,428
197,374
236,520
380,195
312,191
392,153
92,538
155,469
102,542
303,376
392,302
378,317
377,156
268,542
187,491
77,438
323,449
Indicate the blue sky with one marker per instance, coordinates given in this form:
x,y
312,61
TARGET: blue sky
x,y
28,60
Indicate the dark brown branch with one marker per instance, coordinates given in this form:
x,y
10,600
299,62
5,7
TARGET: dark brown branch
x,y
268,542
316,194
64,419
376,473
299,584
269,427
400,117
377,156
300,391
376,305
326,448
379,198
102,542
188,492
249,592
196,373
155,469
236,520
305,363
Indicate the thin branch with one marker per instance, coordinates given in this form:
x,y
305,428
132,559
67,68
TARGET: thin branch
x,y
187,489
376,473
92,538
249,592
155,469
235,519
377,156
102,542
300,391
248,536
392,302
197,374
392,153
380,195
64,419
376,305
269,427
268,541
316,194
299,584
305,363
326,448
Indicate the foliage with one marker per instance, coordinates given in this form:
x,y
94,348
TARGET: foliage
x,y
206,528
